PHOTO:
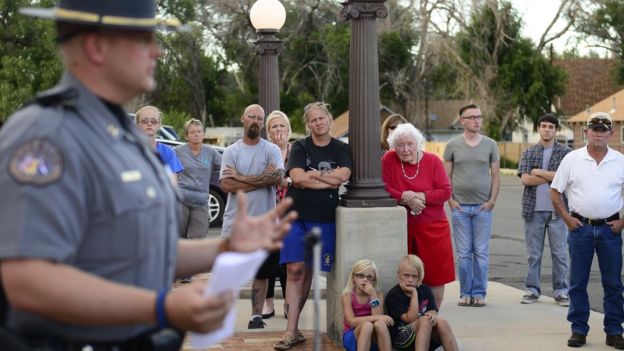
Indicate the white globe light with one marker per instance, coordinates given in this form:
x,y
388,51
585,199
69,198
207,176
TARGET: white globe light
x,y
267,14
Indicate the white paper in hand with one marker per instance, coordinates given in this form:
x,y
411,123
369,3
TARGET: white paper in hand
x,y
231,271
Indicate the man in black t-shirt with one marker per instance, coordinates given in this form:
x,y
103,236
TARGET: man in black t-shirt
x,y
412,306
317,166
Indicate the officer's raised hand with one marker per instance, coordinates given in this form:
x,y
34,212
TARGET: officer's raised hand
x,y
188,309
263,232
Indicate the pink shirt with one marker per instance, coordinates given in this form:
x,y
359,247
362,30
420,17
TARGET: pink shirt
x,y
359,310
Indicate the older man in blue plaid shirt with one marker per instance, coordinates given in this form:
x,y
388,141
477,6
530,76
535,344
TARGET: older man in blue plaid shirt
x,y
536,170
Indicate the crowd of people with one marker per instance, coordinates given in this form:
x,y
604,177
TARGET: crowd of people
x,y
91,241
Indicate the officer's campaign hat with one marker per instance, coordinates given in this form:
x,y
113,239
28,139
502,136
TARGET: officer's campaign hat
x,y
118,14
599,120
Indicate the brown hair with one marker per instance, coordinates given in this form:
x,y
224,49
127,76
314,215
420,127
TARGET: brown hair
x,y
385,131
467,107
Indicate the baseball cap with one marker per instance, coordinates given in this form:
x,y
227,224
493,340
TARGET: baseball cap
x,y
599,120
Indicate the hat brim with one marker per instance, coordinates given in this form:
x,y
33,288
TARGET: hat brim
x,y
598,126
113,22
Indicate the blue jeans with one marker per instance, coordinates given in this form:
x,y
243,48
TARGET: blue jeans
x,y
472,230
583,241
534,234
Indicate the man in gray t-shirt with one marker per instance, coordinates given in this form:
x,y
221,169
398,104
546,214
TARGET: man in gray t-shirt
x,y
255,166
472,164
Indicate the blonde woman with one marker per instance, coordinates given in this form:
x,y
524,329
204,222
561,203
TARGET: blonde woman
x,y
199,162
279,133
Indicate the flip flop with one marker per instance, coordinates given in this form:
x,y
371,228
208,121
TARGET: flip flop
x,y
464,302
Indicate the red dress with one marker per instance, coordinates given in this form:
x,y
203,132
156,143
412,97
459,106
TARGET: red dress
x,y
428,233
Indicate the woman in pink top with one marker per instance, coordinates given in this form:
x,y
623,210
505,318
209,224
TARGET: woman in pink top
x,y
417,180
365,325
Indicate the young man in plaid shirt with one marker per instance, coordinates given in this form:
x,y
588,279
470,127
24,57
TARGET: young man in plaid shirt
x,y
536,170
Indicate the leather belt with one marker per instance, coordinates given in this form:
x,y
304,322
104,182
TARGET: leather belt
x,y
599,221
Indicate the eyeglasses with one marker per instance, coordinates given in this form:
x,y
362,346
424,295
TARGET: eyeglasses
x,y
472,118
370,278
146,121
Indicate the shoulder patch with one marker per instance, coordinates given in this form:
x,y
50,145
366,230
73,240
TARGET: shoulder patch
x,y
36,162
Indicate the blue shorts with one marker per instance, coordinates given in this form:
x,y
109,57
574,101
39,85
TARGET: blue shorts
x,y
350,342
294,244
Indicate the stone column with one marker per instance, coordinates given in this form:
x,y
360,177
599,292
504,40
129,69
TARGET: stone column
x,y
366,188
378,234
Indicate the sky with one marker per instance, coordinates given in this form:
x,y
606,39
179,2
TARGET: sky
x,y
537,14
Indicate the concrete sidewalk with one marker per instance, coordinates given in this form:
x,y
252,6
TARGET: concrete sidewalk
x,y
504,324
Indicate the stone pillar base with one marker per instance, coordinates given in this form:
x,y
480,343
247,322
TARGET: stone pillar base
x,y
378,234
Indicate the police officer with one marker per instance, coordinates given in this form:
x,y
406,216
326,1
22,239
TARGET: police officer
x,y
88,217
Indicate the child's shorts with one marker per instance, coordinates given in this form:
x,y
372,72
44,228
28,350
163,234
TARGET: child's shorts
x,y
350,342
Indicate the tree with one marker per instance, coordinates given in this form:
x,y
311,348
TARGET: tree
x,y
29,62
604,20
505,71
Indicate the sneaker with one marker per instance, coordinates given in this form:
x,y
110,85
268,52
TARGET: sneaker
x,y
528,298
562,300
256,323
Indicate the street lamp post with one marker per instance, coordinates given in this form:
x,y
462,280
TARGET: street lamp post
x,y
268,17
366,188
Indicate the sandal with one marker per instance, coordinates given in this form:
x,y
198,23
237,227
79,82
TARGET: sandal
x,y
479,303
464,301
300,336
288,341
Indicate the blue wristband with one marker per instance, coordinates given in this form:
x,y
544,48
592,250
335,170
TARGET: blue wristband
x,y
161,315
374,303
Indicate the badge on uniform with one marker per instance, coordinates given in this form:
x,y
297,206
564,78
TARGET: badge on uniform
x,y
36,162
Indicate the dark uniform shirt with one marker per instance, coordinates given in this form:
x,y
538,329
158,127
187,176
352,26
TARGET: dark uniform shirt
x,y
82,188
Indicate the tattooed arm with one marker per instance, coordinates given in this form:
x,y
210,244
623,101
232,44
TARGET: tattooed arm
x,y
236,181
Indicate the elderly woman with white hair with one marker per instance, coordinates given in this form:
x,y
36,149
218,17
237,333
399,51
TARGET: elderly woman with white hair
x,y
417,180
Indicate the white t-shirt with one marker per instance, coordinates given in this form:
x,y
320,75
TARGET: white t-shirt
x,y
593,190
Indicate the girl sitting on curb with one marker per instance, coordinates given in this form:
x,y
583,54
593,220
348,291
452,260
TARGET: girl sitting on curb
x,y
365,325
